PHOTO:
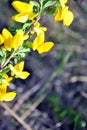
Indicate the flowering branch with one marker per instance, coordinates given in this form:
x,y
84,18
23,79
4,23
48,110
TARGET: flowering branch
x,y
14,47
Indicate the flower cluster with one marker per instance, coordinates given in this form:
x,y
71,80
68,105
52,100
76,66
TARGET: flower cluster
x,y
15,43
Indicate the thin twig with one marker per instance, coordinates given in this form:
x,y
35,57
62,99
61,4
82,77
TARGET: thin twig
x,y
38,18
10,57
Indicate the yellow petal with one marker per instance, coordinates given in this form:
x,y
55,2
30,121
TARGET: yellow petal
x,y
25,37
13,70
6,80
1,39
40,30
62,2
58,15
18,39
43,28
21,7
64,11
17,68
3,88
37,24
25,11
7,39
7,96
23,75
45,47
21,65
6,34
68,18
20,17
65,1
31,15
61,13
38,41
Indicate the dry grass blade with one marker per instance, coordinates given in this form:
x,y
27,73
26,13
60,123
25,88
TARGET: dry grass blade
x,y
33,107
78,78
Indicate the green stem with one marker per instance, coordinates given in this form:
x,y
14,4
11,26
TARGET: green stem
x,y
76,120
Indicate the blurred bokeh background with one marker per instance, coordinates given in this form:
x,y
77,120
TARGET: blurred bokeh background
x,y
54,97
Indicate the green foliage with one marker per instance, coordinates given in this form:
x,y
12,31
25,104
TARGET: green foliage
x,y
2,55
21,53
63,113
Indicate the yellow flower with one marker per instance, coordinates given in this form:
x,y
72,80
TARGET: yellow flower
x,y
39,29
17,70
6,79
25,11
6,96
40,45
11,41
65,15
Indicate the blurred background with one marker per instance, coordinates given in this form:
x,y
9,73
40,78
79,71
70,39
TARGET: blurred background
x,y
54,97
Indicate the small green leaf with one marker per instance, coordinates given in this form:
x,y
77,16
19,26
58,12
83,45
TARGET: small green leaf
x,y
2,52
12,29
49,3
24,50
22,55
16,59
26,25
36,4
2,55
51,11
